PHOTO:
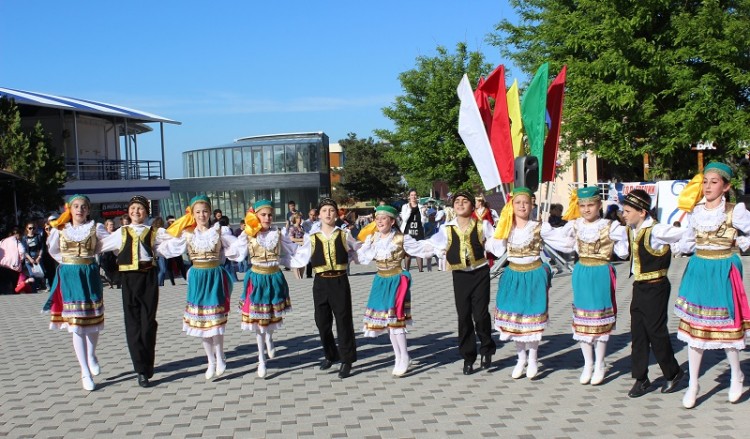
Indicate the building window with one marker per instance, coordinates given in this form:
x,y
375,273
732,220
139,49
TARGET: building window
x,y
257,160
237,167
247,163
290,158
268,159
278,159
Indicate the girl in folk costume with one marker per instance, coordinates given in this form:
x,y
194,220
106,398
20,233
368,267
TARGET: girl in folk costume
x,y
482,211
521,303
265,300
209,285
712,304
389,305
594,304
77,300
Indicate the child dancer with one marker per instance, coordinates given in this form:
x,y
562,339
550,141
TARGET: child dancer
x,y
712,304
77,299
521,303
650,257
594,304
463,242
389,305
265,300
209,285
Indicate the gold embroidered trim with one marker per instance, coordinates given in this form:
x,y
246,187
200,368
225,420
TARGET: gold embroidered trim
x,y
591,262
205,264
265,270
525,267
72,260
714,254
390,272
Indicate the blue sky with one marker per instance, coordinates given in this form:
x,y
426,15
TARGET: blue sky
x,y
234,69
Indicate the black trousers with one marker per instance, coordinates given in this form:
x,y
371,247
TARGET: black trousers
x,y
472,293
332,297
140,297
648,322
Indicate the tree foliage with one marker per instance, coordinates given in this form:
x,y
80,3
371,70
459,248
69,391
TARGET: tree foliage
x,y
426,144
29,155
651,76
370,173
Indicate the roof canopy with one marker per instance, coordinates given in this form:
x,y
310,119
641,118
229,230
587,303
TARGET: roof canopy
x,y
81,105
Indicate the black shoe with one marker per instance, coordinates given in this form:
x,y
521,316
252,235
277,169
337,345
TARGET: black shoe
x,y
326,364
486,361
345,370
143,381
671,385
468,367
640,388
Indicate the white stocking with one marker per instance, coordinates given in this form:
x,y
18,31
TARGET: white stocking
x,y
208,346
521,351
601,352
403,351
733,357
261,346
533,350
587,350
394,342
269,340
219,348
91,340
79,345
695,355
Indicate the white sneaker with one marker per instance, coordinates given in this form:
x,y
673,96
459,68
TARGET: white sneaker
x,y
94,367
262,370
518,370
688,401
586,374
735,389
88,383
598,375
532,369
210,371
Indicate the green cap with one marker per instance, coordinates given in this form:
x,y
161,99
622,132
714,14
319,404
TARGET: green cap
x,y
260,204
520,190
719,168
386,210
588,193
200,199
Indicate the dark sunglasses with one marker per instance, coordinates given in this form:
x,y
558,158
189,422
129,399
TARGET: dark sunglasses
x,y
29,228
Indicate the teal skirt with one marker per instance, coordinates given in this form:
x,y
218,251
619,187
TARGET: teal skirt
x,y
521,303
265,301
77,299
389,304
208,302
594,303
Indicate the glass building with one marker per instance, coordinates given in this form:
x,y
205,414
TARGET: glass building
x,y
279,167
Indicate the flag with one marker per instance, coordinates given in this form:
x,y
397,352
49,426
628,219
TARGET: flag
x,y
514,114
500,140
472,131
533,110
484,105
555,96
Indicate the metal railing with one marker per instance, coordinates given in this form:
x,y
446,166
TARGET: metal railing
x,y
93,169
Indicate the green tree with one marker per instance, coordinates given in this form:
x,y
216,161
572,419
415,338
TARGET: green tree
x,y
426,144
368,173
653,76
31,156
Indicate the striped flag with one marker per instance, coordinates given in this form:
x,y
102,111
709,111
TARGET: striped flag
x,y
473,133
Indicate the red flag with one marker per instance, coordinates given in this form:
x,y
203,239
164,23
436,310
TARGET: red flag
x,y
555,95
500,139
483,103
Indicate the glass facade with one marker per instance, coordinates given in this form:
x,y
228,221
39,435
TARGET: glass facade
x,y
280,167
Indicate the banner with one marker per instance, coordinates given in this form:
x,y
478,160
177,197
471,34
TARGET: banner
x,y
667,211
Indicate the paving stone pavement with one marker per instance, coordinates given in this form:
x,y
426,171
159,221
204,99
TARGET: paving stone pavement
x,y
42,395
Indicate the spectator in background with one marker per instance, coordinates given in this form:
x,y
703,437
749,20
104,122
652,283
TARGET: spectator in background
x,y
218,215
176,262
555,216
124,220
296,234
164,270
230,266
48,262
534,209
236,232
108,260
11,261
307,226
412,223
33,247
291,210
613,214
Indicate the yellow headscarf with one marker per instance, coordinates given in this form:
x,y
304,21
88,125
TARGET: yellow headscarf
x,y
187,221
252,223
691,194
573,212
505,223
66,217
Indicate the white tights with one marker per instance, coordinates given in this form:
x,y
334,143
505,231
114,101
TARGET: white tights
x,y
588,349
695,356
214,347
84,346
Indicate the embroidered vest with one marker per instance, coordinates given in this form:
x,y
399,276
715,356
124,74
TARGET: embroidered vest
x,y
258,253
601,249
465,249
533,248
79,249
648,264
329,254
723,236
128,259
394,259
203,255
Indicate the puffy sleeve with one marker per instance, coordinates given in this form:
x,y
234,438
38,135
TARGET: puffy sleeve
x,y
619,234
292,254
109,243
687,242
228,244
496,246
663,234
438,243
561,239
741,218
53,244
237,250
418,249
167,245
366,252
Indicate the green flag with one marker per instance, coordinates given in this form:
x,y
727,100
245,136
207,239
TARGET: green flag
x,y
533,112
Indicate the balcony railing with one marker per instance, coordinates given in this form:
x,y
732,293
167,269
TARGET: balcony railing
x,y
92,169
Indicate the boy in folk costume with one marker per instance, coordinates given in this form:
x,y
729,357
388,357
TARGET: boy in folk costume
x,y
594,304
712,303
650,257
463,241
136,244
328,248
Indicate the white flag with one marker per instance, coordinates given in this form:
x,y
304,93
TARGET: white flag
x,y
472,132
